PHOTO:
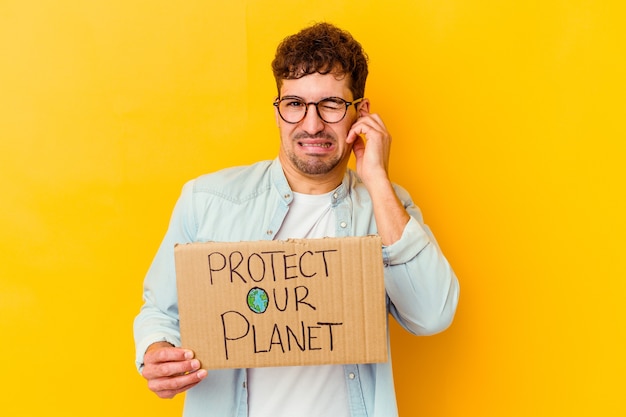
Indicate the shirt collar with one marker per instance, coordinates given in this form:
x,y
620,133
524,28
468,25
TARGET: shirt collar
x,y
286,194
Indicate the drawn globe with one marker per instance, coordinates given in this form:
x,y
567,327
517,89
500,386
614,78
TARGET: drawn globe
x,y
258,300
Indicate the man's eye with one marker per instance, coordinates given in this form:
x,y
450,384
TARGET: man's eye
x,y
332,104
293,104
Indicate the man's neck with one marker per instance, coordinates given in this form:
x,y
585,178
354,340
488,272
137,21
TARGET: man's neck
x,y
313,184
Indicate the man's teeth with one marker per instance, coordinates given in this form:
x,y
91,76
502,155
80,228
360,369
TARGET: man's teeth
x,y
318,145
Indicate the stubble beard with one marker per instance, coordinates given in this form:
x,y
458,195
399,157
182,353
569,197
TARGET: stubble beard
x,y
314,165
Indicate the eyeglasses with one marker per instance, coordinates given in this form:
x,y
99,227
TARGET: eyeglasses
x,y
331,110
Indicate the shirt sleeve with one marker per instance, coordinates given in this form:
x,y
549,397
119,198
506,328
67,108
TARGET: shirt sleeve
x,y
423,289
158,317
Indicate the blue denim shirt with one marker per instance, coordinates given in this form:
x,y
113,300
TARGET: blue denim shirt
x,y
250,203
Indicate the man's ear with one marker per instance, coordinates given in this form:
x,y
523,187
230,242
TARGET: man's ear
x,y
364,106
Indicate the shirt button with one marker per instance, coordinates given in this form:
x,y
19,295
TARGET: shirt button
x,y
269,232
343,225
287,196
351,375
335,195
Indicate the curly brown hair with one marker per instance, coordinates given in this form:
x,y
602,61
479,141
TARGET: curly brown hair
x,y
321,48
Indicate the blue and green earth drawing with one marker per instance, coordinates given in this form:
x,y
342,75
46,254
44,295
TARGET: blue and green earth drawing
x,y
258,300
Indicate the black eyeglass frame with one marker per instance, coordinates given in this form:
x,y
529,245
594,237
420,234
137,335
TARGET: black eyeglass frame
x,y
316,104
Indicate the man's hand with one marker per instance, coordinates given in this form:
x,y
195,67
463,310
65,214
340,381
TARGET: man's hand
x,y
170,371
372,159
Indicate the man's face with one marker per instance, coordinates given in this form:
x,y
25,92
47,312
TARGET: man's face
x,y
313,147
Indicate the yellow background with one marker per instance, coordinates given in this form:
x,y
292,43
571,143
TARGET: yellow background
x,y
508,120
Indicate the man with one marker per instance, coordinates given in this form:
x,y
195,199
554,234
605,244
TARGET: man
x,y
307,192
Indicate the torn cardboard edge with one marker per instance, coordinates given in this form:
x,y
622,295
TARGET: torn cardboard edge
x,y
283,303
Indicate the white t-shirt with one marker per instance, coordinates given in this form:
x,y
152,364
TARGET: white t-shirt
x,y
301,391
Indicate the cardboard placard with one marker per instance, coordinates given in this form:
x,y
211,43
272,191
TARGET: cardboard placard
x,y
283,303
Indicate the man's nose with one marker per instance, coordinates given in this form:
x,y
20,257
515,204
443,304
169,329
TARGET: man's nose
x,y
312,122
